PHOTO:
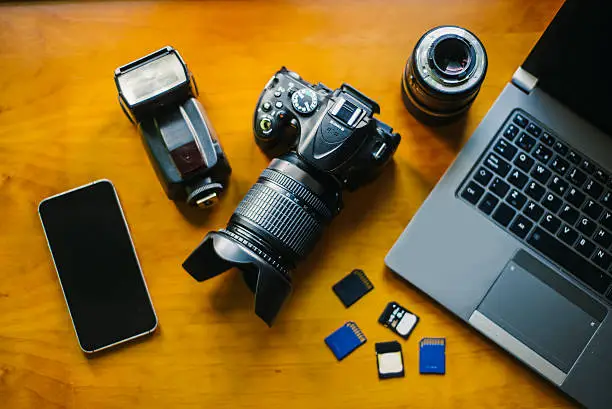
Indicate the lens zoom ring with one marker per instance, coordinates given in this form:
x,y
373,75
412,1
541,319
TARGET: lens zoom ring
x,y
281,217
299,190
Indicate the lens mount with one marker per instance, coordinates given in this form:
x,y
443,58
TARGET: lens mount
x,y
452,57
449,47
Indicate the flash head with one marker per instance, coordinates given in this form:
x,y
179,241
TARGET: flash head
x,y
153,82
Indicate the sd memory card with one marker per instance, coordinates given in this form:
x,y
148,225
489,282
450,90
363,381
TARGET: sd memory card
x,y
389,360
432,356
398,319
345,340
352,287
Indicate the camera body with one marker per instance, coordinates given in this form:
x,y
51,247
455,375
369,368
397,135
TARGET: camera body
x,y
328,141
332,130
158,94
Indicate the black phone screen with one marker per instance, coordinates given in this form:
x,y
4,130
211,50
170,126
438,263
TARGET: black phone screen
x,y
97,266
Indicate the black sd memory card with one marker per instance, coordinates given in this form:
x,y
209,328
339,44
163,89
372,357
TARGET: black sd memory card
x,y
398,319
352,287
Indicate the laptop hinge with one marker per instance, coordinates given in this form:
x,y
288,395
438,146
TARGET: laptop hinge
x,y
524,80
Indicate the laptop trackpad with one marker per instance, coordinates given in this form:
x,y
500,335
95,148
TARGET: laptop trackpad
x,y
536,306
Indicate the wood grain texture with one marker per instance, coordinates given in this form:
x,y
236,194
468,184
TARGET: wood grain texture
x,y
61,126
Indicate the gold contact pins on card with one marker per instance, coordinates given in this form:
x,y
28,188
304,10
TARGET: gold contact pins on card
x,y
356,330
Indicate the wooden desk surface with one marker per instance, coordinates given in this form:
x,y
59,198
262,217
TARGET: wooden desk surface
x,y
61,127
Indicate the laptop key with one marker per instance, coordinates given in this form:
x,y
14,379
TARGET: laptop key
x,y
606,220
504,214
568,235
472,193
497,165
525,141
542,153
511,132
551,223
561,148
505,149
547,139
516,199
575,197
540,173
569,260
584,247
606,199
603,238
600,176
569,214
552,202
587,166
518,178
602,259
559,165
499,187
592,209
574,157
534,211
521,226
488,203
535,190
558,185
520,120
577,177
483,176
593,188
534,129
586,226
524,162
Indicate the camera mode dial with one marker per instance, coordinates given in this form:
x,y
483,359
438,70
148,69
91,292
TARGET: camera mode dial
x,y
304,101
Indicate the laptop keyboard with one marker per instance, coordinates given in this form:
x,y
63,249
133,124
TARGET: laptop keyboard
x,y
550,196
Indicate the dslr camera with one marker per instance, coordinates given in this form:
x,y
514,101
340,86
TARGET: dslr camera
x,y
158,93
331,142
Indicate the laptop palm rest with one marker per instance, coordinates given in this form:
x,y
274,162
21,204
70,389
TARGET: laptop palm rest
x,y
538,316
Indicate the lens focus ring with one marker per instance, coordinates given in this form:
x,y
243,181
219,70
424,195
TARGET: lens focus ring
x,y
281,217
297,189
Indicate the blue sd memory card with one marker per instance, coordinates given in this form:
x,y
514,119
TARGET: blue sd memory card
x,y
345,340
432,356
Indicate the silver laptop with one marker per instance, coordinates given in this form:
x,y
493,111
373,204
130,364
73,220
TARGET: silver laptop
x,y
516,237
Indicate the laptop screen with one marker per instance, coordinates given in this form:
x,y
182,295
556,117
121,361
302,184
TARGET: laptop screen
x,y
573,60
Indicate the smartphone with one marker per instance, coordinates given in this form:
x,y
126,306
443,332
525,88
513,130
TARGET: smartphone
x,y
97,266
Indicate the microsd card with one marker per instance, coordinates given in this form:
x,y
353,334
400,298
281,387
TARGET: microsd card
x,y
398,319
352,287
432,356
389,359
345,340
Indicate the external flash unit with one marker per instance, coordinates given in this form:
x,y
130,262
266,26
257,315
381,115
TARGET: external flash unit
x,y
158,94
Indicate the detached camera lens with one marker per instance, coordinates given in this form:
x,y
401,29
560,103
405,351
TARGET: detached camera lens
x,y
443,75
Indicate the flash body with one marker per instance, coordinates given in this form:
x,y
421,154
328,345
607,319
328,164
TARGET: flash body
x,y
158,94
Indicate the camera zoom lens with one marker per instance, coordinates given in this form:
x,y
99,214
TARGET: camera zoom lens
x,y
284,212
